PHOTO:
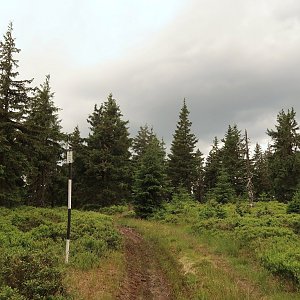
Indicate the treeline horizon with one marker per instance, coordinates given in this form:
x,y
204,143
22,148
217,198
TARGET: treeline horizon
x,y
110,167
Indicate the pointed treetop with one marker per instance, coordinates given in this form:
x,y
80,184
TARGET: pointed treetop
x,y
182,164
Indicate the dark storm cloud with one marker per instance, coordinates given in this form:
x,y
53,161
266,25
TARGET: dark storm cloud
x,y
234,61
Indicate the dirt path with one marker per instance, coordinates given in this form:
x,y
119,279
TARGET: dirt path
x,y
144,276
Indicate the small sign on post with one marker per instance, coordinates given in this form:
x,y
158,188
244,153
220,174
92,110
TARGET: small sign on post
x,y
69,156
69,161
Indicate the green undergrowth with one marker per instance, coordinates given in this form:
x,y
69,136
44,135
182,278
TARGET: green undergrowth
x,y
210,266
264,235
32,249
194,271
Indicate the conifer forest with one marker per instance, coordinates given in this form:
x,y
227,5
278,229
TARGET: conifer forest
x,y
224,226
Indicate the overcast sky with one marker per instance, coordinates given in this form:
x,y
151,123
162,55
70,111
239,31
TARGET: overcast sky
x,y
235,61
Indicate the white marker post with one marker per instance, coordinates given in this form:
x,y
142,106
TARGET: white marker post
x,y
69,161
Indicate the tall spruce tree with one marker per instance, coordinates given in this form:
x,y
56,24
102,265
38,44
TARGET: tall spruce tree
x,y
212,166
182,160
14,100
285,159
150,186
141,141
261,173
198,184
139,145
233,159
45,147
108,165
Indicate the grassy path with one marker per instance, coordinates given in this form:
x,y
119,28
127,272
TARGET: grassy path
x,y
196,272
144,278
162,262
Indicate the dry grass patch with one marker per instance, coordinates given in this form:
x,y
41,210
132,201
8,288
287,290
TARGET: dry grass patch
x,y
97,283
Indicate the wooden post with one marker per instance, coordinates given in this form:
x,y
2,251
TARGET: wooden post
x,y
69,161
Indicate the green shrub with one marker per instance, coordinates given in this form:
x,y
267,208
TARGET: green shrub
x,y
27,221
27,218
178,212
215,225
242,208
281,256
8,293
212,210
35,274
264,212
274,206
182,196
294,205
114,209
264,197
95,225
32,242
294,223
91,207
53,231
249,233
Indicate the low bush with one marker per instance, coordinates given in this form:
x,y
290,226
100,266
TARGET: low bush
x,y
8,293
242,208
114,209
294,205
32,247
281,255
246,234
293,222
35,274
92,207
266,232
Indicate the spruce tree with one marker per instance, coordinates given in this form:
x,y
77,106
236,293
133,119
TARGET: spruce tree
x,y
150,186
261,173
108,171
233,159
139,144
14,100
285,159
141,141
212,166
45,146
182,160
198,184
223,191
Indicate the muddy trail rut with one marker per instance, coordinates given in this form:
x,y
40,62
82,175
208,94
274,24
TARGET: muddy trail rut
x,y
144,277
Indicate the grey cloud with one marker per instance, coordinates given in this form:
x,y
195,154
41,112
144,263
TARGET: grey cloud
x,y
234,61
